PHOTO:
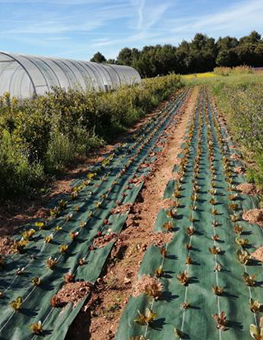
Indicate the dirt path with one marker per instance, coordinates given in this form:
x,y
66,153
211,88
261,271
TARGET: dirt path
x,y
100,317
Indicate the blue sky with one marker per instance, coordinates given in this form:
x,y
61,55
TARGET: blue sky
x,y
79,28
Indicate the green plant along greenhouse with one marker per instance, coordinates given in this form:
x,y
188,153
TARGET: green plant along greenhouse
x,y
24,76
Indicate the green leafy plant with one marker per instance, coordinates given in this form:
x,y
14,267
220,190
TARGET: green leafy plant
x,y
217,290
183,278
63,248
190,231
185,305
49,238
214,250
171,213
243,256
221,321
256,332
241,241
51,262
36,328
188,260
19,246
168,226
146,318
154,290
163,251
238,229
73,235
254,306
159,271
17,304
36,281
249,280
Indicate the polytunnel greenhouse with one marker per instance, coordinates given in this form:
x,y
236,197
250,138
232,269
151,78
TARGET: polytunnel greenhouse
x,y
24,76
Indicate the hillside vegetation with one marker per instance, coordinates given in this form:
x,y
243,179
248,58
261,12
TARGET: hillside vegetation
x,y
44,135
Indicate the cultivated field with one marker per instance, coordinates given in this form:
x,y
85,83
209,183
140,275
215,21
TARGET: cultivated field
x,y
160,237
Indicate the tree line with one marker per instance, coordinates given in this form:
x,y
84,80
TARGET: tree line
x,y
202,54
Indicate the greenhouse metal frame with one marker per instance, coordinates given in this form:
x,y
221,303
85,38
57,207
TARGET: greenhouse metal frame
x,y
25,76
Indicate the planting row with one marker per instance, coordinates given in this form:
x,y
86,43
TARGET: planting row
x,y
61,251
204,284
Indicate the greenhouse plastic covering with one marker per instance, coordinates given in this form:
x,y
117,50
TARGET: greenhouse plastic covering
x,y
24,76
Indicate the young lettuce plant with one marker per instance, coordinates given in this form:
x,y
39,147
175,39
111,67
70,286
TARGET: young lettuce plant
x,y
243,242
190,231
36,328
51,262
243,256
254,306
163,252
36,281
238,229
17,304
217,290
214,250
146,318
249,280
168,226
256,332
159,271
183,278
154,290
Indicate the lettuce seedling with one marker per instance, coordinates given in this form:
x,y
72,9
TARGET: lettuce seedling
x,y
163,251
36,281
241,241
249,280
17,304
48,239
238,229
154,290
51,263
36,328
69,277
158,272
257,331
190,231
214,250
168,226
221,321
63,248
217,290
254,306
183,278
146,318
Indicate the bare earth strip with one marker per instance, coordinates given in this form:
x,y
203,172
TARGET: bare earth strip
x,y
100,317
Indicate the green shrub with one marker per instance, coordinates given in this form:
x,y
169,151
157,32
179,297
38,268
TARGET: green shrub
x,y
45,134
17,174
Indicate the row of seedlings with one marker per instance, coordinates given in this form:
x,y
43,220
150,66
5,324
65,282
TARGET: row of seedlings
x,y
242,244
52,262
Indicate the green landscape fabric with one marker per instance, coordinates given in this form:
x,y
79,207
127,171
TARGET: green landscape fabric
x,y
86,213
196,322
